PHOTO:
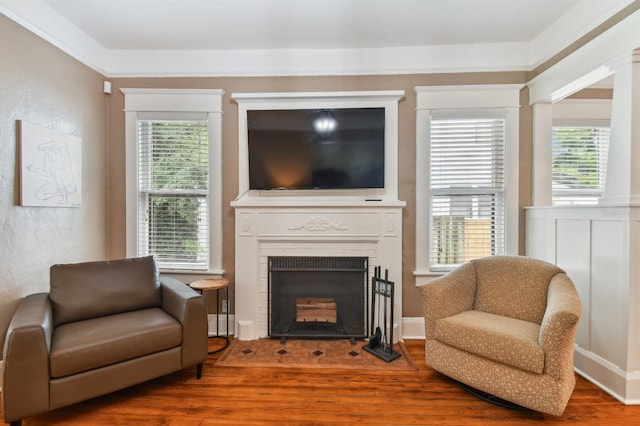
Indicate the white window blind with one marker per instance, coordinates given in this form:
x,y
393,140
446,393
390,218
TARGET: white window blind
x,y
173,192
467,169
579,164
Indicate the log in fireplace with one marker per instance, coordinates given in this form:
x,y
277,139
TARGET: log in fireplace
x,y
318,297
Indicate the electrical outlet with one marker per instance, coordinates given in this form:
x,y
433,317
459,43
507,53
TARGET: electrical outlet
x,y
225,308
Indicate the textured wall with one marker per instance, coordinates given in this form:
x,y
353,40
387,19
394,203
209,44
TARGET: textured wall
x,y
41,85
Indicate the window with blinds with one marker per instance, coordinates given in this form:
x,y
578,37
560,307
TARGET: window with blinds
x,y
467,169
173,192
579,164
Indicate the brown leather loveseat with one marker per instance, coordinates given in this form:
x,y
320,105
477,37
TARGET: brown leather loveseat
x,y
102,327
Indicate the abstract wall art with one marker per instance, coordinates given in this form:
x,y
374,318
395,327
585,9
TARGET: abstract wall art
x,y
50,167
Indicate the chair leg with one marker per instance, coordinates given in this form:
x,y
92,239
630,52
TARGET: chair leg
x,y
198,372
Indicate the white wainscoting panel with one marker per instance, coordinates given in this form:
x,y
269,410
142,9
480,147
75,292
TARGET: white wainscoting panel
x,y
573,253
609,291
599,248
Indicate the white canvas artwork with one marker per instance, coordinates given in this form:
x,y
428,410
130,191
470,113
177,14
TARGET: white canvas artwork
x,y
51,165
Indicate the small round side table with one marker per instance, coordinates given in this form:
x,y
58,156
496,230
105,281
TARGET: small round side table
x,y
217,284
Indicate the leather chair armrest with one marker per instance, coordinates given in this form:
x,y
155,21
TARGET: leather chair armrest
x,y
448,295
25,385
559,326
189,308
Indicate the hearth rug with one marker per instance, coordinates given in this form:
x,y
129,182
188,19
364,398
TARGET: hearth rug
x,y
294,353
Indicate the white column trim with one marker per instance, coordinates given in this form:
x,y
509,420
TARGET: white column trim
x,y
588,64
542,173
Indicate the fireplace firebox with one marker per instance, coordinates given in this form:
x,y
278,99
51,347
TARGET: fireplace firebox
x,y
318,297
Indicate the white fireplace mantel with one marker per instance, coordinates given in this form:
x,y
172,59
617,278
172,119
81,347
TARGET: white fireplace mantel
x,y
372,230
321,223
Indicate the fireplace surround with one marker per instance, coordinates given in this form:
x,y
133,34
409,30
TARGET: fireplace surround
x,y
338,284
364,223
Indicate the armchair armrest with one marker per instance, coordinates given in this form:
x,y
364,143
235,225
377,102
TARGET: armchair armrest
x,y
448,295
559,326
25,385
189,308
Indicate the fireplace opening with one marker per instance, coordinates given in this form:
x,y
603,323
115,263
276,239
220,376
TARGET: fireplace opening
x,y
318,297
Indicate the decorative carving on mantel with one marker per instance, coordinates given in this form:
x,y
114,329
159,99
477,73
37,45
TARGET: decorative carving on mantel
x,y
246,226
318,223
391,223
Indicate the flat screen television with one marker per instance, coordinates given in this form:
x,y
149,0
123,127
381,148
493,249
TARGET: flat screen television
x,y
340,148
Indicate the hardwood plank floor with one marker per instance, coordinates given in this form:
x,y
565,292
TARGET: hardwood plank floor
x,y
264,396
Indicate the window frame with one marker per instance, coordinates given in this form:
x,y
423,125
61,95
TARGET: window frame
x,y
460,100
595,194
575,113
483,191
164,104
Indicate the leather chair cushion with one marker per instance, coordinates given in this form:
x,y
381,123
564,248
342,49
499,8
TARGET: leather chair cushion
x,y
502,339
93,289
94,343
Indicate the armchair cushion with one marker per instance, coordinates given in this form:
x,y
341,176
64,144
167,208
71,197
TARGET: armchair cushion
x,y
98,342
506,340
93,289
515,287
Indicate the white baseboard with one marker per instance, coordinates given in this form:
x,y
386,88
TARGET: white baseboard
x,y
413,327
620,384
222,323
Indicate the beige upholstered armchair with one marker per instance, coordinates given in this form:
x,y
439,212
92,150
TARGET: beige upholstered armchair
x,y
103,326
505,325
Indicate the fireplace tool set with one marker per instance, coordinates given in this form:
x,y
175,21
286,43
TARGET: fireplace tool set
x,y
382,317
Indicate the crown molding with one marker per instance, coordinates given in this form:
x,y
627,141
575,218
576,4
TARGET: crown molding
x,y
38,17
589,64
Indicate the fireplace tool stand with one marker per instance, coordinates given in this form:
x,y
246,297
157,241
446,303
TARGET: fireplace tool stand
x,y
381,300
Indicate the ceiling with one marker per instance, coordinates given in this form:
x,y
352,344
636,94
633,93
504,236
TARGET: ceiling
x,y
477,34
307,24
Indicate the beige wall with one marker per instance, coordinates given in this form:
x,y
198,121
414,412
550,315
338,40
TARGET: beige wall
x,y
41,85
592,94
406,137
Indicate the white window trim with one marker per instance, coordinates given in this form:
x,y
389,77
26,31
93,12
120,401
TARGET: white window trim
x,y
466,97
577,113
174,101
582,112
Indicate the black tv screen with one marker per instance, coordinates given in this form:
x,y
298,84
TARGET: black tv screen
x,y
316,149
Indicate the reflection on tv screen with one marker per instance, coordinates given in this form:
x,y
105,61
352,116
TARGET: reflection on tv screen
x,y
316,149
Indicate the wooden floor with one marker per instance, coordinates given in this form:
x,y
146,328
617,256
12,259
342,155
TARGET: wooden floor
x,y
260,396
